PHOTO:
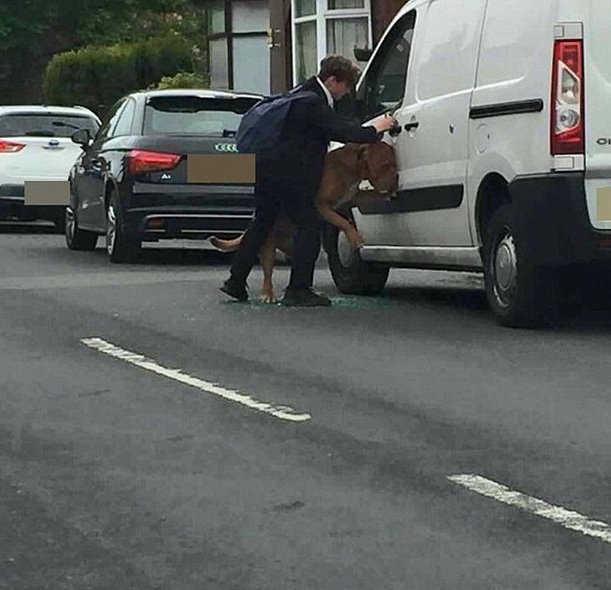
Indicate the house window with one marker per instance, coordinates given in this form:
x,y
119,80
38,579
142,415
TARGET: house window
x,y
249,24
219,63
323,27
238,45
218,49
305,50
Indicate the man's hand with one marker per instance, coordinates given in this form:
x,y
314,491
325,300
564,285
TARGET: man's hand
x,y
384,123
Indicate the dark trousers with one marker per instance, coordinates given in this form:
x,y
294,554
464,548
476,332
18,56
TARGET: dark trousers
x,y
273,195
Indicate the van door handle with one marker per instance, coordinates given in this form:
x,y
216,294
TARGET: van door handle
x,y
395,130
411,126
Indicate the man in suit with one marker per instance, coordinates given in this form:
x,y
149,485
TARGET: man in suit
x,y
289,177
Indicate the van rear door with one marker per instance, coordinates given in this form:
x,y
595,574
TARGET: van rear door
x,y
597,69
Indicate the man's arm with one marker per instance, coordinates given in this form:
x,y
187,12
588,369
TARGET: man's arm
x,y
336,128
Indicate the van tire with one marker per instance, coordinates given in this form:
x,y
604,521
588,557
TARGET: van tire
x,y
77,238
520,293
352,275
121,246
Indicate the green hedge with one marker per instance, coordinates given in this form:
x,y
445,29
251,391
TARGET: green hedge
x,y
99,76
183,80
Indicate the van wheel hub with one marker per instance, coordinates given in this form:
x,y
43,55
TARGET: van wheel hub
x,y
505,268
345,251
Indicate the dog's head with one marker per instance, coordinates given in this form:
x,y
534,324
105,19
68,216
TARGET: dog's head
x,y
379,166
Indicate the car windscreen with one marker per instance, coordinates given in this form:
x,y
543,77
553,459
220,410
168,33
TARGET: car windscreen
x,y
195,115
44,125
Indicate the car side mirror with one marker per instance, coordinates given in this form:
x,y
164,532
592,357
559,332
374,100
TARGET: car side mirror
x,y
82,137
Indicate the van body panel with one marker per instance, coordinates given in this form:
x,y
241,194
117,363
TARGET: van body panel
x,y
479,87
433,155
514,69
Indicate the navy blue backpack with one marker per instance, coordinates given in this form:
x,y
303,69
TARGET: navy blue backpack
x,y
261,126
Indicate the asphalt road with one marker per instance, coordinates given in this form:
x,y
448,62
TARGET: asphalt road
x,y
154,435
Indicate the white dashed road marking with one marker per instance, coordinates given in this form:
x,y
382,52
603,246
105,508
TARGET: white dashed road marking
x,y
281,412
566,518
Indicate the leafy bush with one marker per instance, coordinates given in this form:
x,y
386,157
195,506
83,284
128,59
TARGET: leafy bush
x,y
95,76
183,80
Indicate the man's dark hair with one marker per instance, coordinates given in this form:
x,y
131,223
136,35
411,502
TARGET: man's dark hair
x,y
340,67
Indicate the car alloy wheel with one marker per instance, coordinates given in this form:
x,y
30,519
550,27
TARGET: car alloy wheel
x,y
76,238
70,225
122,243
111,229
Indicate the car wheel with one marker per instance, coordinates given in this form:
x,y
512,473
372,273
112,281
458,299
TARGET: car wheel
x,y
76,238
121,246
352,275
520,293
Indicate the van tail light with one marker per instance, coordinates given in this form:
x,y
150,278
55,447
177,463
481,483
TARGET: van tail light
x,y
141,162
9,147
568,113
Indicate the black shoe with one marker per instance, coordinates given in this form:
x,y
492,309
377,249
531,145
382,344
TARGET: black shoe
x,y
235,289
304,298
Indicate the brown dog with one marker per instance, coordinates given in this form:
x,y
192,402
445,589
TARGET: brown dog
x,y
344,169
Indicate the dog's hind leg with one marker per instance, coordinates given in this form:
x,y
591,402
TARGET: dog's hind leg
x,y
267,256
285,245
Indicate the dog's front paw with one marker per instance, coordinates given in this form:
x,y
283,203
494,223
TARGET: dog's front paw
x,y
355,239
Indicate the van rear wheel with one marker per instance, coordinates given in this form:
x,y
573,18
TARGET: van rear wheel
x,y
520,293
352,275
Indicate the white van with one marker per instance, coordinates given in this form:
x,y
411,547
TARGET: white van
x,y
504,148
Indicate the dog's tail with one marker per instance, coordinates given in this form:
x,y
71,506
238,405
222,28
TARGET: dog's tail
x,y
226,245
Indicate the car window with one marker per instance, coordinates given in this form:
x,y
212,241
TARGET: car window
x,y
384,87
44,125
125,120
111,120
195,115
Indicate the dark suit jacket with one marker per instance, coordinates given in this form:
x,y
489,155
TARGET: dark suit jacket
x,y
297,160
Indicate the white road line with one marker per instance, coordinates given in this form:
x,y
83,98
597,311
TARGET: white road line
x,y
282,412
566,518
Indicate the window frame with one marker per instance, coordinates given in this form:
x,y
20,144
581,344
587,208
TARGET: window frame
x,y
128,102
106,129
228,36
322,15
380,60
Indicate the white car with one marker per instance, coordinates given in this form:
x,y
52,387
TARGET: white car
x,y
35,145
503,149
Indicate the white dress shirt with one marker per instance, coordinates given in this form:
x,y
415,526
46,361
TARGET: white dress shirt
x,y
326,91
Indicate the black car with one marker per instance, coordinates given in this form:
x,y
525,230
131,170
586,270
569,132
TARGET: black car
x,y
130,182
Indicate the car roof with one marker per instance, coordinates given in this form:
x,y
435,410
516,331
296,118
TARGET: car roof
x,y
35,109
201,92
